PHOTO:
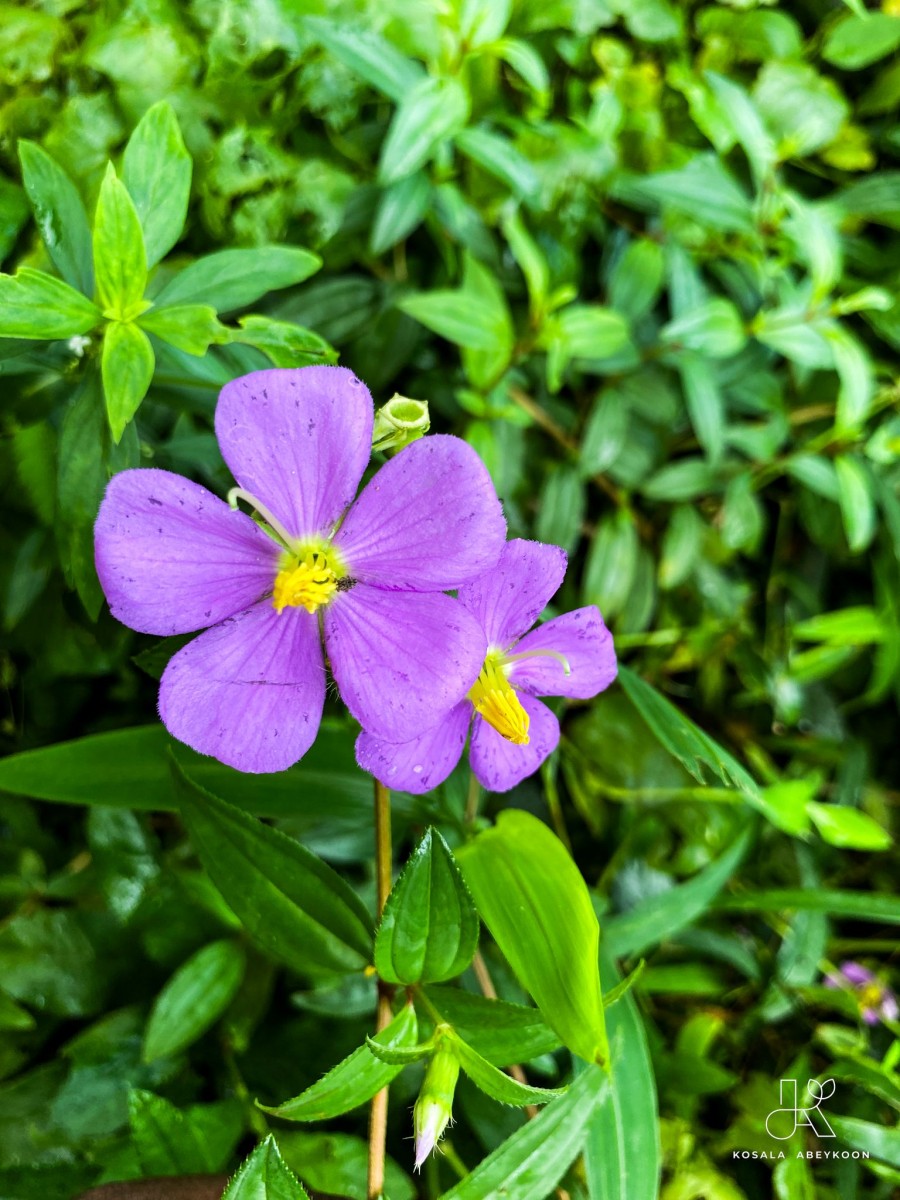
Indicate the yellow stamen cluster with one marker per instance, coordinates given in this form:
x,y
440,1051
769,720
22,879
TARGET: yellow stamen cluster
x,y
870,995
306,581
495,699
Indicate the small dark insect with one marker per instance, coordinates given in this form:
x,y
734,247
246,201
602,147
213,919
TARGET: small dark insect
x,y
345,584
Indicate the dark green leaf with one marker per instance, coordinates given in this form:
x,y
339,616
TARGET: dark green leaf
x,y
371,56
400,210
496,1083
60,215
502,1033
193,999
156,170
264,1176
167,1141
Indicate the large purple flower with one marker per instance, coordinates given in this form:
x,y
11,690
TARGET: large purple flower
x,y
512,731
173,558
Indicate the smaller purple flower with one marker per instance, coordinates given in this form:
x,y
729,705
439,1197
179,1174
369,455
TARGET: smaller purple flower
x,y
875,999
512,732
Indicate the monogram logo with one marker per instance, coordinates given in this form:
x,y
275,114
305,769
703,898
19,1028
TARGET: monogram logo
x,y
795,1116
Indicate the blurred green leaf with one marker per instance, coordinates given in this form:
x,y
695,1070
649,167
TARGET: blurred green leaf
x,y
401,208
60,215
856,501
848,827
433,110
371,56
883,1144
193,999
858,41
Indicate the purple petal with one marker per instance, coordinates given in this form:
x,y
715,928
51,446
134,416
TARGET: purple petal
x,y
510,597
250,691
419,765
429,520
298,440
871,1016
497,763
856,972
173,558
586,645
401,660
889,1009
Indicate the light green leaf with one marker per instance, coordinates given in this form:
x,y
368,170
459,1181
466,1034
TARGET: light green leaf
x,y
264,1176
190,327
714,329
858,41
862,906
435,109
533,899
127,369
854,368
848,828
611,565
36,305
882,1142
355,1080
156,170
371,56
294,906
498,156
856,626
286,344
400,210
704,402
120,261
856,500
605,432
636,279
561,508
502,1033
531,1163
587,331
232,279
524,58
60,215
483,21
429,928
531,259
804,110
193,999
684,479
494,1082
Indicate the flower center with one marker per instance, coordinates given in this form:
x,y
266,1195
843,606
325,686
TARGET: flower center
x,y
306,580
869,995
494,697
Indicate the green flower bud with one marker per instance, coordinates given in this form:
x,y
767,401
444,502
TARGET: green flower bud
x,y
434,1108
400,422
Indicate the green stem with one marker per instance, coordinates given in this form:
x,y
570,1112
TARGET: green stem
x,y
379,1109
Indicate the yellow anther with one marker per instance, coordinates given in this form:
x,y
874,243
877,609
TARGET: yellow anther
x,y
870,995
495,699
306,582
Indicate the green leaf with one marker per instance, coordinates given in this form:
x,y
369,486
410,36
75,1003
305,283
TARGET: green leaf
x,y
612,563
293,905
494,1082
193,999
857,42
848,828
233,279
14,1018
156,170
127,369
636,279
862,906
525,59
36,305
622,1154
120,261
355,1080
456,316
587,331
401,207
60,215
803,109
166,1140
605,433
880,1141
499,157
534,901
704,402
683,739
715,329
703,190
190,327
561,508
847,627
531,1162
433,110
371,56
856,500
429,928
287,345
854,369
335,1165
531,259
264,1176
502,1033
657,918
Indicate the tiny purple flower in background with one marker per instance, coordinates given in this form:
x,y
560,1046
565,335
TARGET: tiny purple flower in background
x,y
512,731
875,999
173,558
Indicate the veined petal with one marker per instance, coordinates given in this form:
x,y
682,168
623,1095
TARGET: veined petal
x,y
498,764
510,597
298,440
173,558
250,691
419,765
428,521
401,660
582,639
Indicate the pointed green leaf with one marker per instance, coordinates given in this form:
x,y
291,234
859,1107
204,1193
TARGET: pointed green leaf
x,y
265,1176
120,261
624,986
848,827
127,369
537,906
433,110
429,929
34,304
496,1083
189,327
286,344
531,1163
857,502
166,1140
400,210
501,1032
400,1056
193,999
60,215
369,55
156,170
355,1080
290,902
233,279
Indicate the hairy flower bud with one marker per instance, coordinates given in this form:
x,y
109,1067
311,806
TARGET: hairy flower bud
x,y
400,422
434,1108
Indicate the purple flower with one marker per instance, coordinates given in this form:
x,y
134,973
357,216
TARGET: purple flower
x,y
876,1001
512,732
173,558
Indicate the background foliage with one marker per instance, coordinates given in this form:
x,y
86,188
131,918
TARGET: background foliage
x,y
643,255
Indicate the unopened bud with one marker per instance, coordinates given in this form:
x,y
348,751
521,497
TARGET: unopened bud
x,y
400,422
434,1107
